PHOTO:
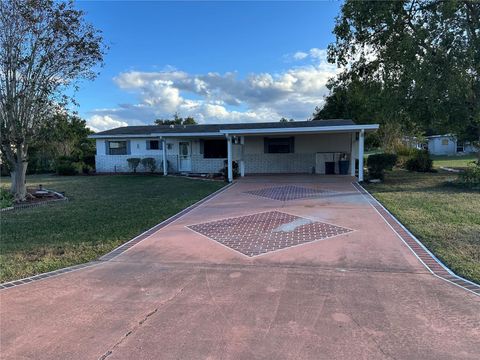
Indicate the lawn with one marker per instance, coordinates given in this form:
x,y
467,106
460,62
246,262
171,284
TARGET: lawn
x,y
456,162
103,212
446,219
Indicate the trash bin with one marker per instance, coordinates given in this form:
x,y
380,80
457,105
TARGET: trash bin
x,y
343,167
329,167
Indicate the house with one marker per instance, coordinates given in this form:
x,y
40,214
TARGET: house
x,y
448,145
300,147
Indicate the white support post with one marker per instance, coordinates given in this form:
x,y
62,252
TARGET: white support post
x,y
164,155
361,140
229,158
352,155
242,161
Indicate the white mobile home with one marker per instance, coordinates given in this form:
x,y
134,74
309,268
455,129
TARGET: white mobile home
x,y
448,145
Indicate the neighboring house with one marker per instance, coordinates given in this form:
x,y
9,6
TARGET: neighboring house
x,y
258,148
448,145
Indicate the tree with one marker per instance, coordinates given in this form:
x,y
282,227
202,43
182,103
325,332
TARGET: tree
x,y
284,119
177,120
45,48
63,135
413,63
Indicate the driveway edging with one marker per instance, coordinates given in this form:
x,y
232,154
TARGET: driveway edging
x,y
425,256
117,251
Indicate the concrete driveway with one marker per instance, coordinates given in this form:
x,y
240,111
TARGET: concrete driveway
x,y
290,267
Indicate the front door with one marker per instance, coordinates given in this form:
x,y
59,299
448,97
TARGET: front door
x,y
185,157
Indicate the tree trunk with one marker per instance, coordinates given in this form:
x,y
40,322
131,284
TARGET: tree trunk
x,y
19,186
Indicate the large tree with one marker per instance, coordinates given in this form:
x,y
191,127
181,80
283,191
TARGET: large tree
x,y
411,62
46,47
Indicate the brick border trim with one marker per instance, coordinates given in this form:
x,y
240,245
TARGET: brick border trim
x,y
117,251
430,261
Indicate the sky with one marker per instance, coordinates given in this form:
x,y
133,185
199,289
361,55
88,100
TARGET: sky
x,y
219,62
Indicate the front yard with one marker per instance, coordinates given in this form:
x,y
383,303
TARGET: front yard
x,y
103,212
446,219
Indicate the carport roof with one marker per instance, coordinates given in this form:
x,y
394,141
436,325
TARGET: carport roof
x,y
239,128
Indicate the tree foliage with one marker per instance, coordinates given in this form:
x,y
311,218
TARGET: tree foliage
x,y
45,47
414,63
64,136
177,120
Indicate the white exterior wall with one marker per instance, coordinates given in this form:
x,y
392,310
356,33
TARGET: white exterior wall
x,y
303,160
435,146
118,163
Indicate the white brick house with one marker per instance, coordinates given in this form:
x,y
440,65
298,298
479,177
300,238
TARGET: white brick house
x,y
320,146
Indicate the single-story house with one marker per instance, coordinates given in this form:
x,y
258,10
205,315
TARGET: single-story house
x,y
299,147
448,145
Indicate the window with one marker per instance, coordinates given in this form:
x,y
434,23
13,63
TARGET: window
x,y
460,146
117,148
154,145
279,145
214,149
444,141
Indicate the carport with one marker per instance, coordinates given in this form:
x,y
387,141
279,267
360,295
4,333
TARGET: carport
x,y
322,147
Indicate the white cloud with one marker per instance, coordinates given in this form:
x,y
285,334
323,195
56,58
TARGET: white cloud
x,y
213,97
300,55
101,123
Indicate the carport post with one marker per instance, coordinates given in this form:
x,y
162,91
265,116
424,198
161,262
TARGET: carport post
x,y
242,161
352,156
229,158
164,155
361,140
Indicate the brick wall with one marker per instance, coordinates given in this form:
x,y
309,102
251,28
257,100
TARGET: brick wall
x,y
279,163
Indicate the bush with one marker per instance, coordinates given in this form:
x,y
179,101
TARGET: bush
x,y
470,177
6,198
419,162
133,163
224,171
378,163
66,168
149,164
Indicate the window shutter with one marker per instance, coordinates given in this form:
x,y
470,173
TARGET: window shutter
x,y
128,147
160,144
202,146
265,145
148,144
292,144
107,147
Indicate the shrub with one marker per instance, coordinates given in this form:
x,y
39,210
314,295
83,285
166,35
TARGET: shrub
x,y
378,163
149,164
470,177
6,198
133,163
419,162
224,170
66,168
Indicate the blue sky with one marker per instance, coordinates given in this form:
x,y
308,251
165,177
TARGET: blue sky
x,y
216,61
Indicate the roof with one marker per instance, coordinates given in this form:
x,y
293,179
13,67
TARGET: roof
x,y
221,129
440,136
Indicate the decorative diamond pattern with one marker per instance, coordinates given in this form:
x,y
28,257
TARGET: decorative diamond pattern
x,y
288,192
261,233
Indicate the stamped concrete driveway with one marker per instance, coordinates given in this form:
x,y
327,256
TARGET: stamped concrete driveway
x,y
271,268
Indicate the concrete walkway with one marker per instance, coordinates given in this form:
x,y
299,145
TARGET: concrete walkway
x,y
189,292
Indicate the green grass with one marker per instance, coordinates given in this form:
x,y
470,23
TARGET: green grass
x,y
446,219
103,212
453,161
